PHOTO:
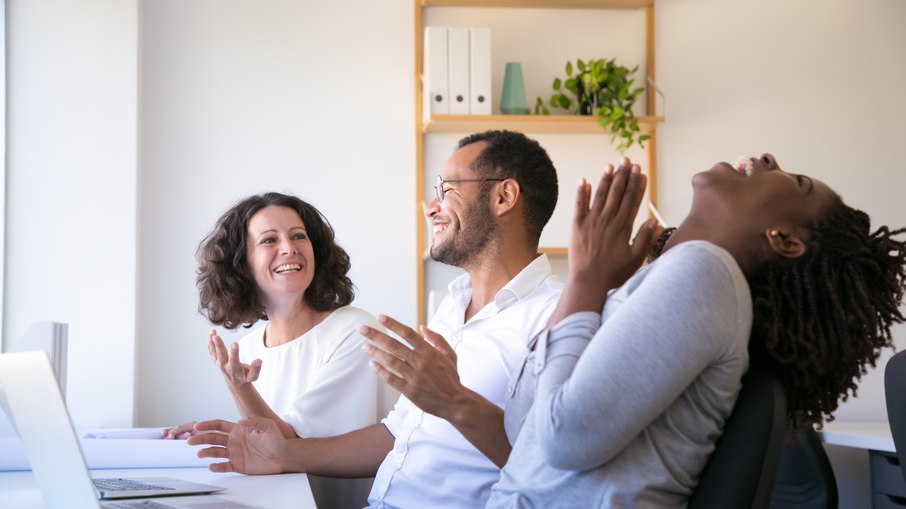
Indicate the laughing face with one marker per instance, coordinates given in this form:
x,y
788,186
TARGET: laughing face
x,y
280,254
757,194
462,226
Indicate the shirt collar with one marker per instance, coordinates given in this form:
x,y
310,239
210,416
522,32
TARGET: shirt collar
x,y
517,288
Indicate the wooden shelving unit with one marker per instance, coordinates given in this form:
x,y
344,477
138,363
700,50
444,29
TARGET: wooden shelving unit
x,y
529,124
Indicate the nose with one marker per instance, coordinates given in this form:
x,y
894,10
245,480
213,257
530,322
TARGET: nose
x,y
768,161
287,246
432,208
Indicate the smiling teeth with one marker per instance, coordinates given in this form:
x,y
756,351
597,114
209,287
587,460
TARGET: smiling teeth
x,y
745,165
289,266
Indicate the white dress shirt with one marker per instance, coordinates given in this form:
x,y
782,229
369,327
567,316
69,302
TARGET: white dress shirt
x,y
431,463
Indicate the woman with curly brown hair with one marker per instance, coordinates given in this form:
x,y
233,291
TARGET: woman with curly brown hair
x,y
622,399
273,257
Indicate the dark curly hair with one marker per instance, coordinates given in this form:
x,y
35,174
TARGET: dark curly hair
x,y
821,319
510,154
228,294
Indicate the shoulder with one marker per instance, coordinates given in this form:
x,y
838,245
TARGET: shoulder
x,y
698,261
348,317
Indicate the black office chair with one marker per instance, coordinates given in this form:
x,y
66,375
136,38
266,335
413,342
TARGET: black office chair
x,y
895,394
805,478
740,472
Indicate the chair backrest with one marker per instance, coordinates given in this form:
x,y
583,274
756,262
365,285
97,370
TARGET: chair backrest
x,y
805,478
740,472
895,394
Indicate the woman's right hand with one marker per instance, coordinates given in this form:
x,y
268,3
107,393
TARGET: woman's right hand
x,y
234,372
180,432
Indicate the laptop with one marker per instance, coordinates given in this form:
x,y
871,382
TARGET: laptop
x,y
31,398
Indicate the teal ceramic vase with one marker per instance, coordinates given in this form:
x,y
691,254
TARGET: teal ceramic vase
x,y
512,100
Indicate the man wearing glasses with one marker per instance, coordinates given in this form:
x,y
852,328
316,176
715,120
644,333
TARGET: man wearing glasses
x,y
493,197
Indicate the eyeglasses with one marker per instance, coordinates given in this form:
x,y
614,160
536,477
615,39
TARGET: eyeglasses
x,y
439,185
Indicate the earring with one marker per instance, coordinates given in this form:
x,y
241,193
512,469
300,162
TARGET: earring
x,y
774,233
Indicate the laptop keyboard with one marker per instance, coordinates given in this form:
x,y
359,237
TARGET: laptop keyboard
x,y
115,484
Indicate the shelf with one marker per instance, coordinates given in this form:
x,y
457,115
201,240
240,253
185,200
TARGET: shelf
x,y
568,124
543,4
553,251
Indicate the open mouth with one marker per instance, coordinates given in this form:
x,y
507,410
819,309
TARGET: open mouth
x,y
288,267
745,166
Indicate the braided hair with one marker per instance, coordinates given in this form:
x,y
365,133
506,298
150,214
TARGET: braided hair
x,y
819,320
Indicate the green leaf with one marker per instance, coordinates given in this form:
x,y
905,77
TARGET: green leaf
x,y
557,83
569,68
564,102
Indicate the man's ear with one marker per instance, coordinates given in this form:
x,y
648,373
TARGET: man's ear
x,y
505,196
787,245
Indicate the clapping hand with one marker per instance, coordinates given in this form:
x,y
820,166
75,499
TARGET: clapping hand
x,y
426,373
601,255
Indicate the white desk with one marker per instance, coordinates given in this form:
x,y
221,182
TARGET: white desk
x,y
888,491
18,490
874,436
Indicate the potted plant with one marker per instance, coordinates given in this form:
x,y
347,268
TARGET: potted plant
x,y
603,89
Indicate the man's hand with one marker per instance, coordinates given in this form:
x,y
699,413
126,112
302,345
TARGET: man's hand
x,y
252,446
426,373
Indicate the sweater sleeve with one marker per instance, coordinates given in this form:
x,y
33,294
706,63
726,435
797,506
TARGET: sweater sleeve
x,y
598,389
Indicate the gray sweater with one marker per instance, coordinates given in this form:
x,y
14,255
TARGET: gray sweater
x,y
628,404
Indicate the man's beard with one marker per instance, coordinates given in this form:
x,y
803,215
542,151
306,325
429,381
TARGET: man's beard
x,y
466,243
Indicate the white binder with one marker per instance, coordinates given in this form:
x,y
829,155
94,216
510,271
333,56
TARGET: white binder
x,y
435,79
458,65
480,71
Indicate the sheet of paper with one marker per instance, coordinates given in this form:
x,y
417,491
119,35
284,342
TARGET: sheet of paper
x,y
120,449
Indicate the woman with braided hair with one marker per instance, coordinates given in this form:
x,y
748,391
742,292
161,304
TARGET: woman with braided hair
x,y
622,399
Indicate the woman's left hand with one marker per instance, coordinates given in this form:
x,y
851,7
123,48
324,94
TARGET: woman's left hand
x,y
234,372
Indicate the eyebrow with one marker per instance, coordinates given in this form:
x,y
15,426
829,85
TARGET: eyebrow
x,y
274,230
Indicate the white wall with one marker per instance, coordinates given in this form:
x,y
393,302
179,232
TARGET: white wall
x,y
240,97
315,98
71,191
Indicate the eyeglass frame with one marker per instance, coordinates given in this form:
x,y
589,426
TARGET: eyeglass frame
x,y
439,190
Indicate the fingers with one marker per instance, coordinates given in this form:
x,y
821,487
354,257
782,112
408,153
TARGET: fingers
x,y
218,350
254,370
383,342
222,467
394,364
389,377
214,425
635,191
583,194
406,333
438,342
233,364
623,195
180,432
603,190
647,237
